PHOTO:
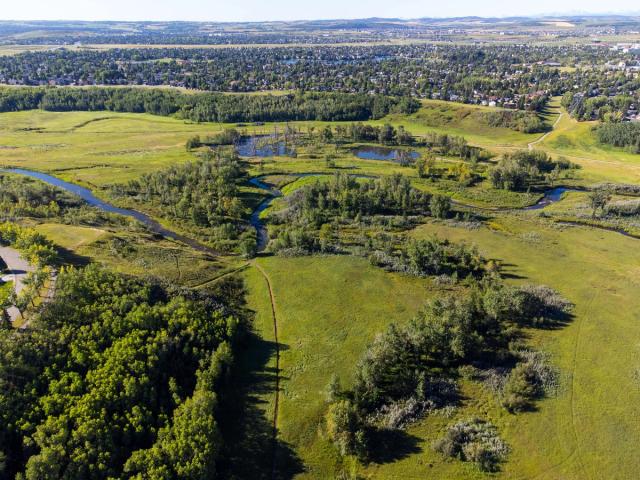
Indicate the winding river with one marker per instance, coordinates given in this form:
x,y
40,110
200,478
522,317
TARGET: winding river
x,y
549,198
91,199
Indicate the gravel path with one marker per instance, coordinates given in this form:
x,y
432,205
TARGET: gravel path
x,y
18,268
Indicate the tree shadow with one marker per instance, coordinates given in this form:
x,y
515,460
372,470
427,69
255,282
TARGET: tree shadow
x,y
555,320
68,257
506,270
387,446
251,451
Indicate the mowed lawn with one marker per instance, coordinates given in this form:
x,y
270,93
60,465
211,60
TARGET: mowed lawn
x,y
328,309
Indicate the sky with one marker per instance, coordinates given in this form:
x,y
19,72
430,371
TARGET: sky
x,y
260,10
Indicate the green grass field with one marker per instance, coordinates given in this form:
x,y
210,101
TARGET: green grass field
x,y
329,308
576,141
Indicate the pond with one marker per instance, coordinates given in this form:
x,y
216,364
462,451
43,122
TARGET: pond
x,y
397,155
550,196
263,146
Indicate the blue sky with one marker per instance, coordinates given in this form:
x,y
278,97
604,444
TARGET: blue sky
x,y
255,10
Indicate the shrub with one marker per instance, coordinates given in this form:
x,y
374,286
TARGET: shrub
x,y
474,441
530,379
344,427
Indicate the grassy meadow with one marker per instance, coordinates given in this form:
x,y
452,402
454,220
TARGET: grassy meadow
x,y
327,312
575,141
328,308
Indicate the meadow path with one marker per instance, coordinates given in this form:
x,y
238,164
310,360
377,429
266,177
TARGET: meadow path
x,y
555,124
276,402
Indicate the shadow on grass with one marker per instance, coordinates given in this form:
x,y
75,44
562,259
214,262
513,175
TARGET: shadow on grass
x,y
507,270
246,419
389,446
67,257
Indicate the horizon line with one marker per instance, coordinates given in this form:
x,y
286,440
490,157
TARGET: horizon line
x,y
625,14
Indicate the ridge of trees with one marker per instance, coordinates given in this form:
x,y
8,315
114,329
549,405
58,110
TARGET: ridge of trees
x,y
207,107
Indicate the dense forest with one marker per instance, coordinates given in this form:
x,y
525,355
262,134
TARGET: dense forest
x,y
207,107
118,378
307,224
620,135
202,195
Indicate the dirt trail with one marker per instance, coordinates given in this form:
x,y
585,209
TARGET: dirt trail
x,y
277,393
555,124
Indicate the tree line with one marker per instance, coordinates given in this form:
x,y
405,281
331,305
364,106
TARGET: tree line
x,y
207,107
624,135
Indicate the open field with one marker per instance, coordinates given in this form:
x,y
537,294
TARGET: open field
x,y
575,141
327,312
328,308
581,433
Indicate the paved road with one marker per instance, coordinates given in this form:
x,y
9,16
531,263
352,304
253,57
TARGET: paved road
x,y
17,268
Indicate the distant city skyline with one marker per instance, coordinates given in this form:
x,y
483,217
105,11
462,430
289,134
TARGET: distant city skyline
x,y
260,10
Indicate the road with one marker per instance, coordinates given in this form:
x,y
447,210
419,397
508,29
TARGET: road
x,y
18,268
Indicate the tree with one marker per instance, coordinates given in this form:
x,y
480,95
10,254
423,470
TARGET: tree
x,y
326,237
193,142
344,427
327,134
520,388
553,176
248,245
425,165
440,206
421,165
598,199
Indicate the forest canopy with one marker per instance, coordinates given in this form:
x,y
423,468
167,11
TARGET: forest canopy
x,y
208,107
118,378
